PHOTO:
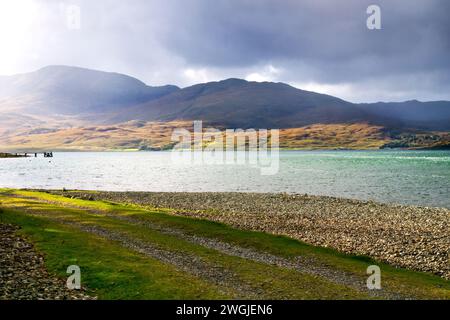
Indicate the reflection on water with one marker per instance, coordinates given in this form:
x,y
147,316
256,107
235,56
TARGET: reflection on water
x,y
410,177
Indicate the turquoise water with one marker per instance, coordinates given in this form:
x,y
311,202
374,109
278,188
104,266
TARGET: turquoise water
x,y
408,177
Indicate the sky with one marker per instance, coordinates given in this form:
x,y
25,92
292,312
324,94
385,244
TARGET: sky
x,y
318,45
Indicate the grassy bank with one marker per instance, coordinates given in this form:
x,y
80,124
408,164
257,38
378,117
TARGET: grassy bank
x,y
409,237
131,252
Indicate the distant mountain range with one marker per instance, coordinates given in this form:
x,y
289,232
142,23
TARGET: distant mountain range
x,y
58,98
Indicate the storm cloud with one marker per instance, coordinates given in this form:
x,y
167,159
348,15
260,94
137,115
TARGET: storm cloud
x,y
322,46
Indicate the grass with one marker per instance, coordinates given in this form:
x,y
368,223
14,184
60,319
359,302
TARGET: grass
x,y
108,270
112,271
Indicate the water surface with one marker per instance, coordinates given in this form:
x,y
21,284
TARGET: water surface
x,y
408,177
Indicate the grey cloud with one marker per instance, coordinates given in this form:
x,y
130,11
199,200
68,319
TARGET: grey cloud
x,y
311,41
326,34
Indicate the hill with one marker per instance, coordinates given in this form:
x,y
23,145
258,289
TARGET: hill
x,y
56,106
67,90
238,103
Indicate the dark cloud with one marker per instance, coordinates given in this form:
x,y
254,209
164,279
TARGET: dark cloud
x,y
325,34
324,43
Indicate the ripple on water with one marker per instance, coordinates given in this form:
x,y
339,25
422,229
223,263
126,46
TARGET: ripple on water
x,y
411,177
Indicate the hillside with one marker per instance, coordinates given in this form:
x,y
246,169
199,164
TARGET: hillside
x,y
432,115
60,107
66,90
141,135
238,103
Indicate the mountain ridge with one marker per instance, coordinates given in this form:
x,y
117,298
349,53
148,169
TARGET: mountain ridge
x,y
62,97
74,90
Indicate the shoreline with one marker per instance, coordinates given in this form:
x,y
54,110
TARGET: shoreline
x,y
189,258
4,155
81,150
260,193
411,237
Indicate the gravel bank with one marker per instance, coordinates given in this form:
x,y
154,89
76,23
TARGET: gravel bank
x,y
186,263
23,274
413,237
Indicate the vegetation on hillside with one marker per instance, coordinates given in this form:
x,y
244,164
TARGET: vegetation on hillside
x,y
155,136
70,108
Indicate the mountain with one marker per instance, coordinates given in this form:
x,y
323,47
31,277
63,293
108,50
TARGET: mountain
x,y
433,115
61,106
239,103
63,90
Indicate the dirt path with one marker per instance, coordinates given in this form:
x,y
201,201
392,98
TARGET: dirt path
x,y
220,276
300,264
411,237
191,264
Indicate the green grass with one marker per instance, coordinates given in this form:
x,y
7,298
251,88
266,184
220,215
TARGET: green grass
x,y
108,270
116,272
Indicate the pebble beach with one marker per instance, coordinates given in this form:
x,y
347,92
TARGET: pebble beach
x,y
417,238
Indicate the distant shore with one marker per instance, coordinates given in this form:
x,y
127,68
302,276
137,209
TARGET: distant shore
x,y
440,147
12,155
412,237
